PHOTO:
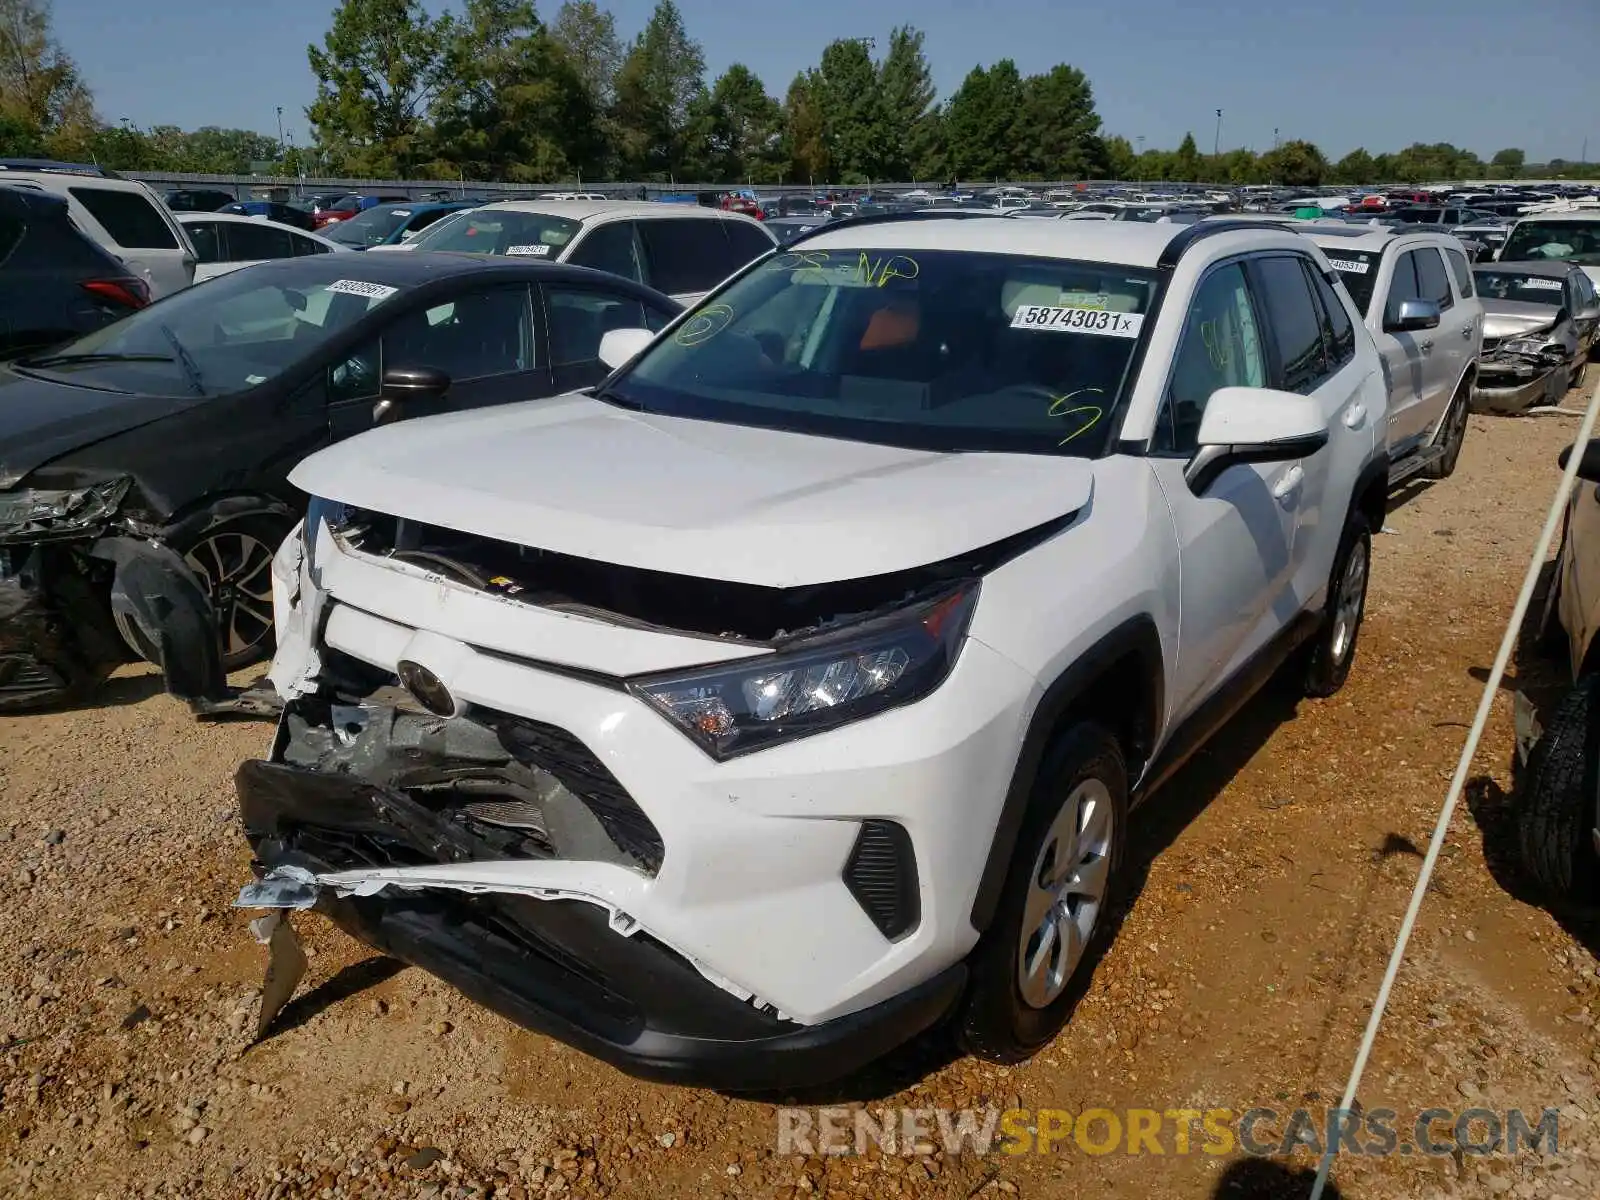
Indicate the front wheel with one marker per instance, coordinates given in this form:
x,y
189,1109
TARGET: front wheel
x,y
233,560
1558,817
1054,912
1332,649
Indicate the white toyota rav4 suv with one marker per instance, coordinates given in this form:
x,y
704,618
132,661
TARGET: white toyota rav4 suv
x,y
789,694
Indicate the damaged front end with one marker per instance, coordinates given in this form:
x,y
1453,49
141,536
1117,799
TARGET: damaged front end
x,y
1518,373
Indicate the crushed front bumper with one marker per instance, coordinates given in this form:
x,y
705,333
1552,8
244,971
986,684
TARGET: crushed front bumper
x,y
1510,384
542,958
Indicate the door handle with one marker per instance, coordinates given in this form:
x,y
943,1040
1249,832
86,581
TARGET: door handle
x,y
1355,415
1467,331
1288,481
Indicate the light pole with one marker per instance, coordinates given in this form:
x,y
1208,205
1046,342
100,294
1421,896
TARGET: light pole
x,y
1216,142
280,131
1138,162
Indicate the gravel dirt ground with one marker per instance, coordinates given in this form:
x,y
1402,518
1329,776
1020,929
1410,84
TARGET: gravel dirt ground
x,y
1271,876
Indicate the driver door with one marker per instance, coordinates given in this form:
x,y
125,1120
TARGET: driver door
x,y
1235,539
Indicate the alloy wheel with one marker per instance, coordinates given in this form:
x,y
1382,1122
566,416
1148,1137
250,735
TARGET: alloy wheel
x,y
236,570
1352,596
1066,893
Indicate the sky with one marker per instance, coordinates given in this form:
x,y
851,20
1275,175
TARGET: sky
x,y
1482,74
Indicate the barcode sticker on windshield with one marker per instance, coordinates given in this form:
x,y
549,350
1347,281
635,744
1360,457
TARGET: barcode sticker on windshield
x,y
1077,320
357,287
1553,285
1349,266
539,251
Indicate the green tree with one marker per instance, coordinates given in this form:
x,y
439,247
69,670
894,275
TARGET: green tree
x,y
1297,163
855,114
906,81
512,105
805,139
377,71
1356,167
41,93
737,129
659,82
1508,163
588,34
1058,134
980,122
1120,159
1186,161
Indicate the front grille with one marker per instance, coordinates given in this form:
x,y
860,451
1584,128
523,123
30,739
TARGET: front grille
x,y
881,874
553,749
1491,344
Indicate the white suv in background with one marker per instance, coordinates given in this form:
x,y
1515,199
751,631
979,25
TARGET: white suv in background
x,y
1415,292
790,693
123,216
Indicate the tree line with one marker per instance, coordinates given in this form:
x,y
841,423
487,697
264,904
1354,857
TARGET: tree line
x,y
494,92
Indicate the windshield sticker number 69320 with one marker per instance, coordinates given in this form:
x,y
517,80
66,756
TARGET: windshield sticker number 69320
x,y
1099,322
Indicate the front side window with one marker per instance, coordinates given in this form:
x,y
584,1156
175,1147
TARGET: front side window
x,y
1575,241
580,317
502,231
934,349
1295,323
1338,332
1432,280
1403,286
487,332
1220,347
130,219
610,248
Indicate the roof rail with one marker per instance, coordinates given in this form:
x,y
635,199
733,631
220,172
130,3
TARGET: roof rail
x,y
64,168
1174,250
888,218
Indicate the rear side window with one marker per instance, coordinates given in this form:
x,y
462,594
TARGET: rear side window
x,y
207,239
688,255
131,220
1338,333
1296,325
249,242
1435,284
1462,270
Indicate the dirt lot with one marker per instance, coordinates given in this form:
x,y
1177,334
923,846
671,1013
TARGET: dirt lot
x,y
1272,876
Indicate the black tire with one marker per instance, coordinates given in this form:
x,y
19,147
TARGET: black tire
x,y
1580,373
1332,649
1452,434
1558,798
997,1022
234,562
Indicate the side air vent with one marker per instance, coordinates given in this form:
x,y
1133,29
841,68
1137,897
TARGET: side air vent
x,y
881,874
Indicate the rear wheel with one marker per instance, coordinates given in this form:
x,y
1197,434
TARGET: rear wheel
x,y
1558,814
234,562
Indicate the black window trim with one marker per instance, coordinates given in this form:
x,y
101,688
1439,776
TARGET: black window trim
x,y
1274,350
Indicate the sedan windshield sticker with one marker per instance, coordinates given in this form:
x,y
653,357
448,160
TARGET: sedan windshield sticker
x,y
536,251
1553,285
1348,266
1058,319
357,287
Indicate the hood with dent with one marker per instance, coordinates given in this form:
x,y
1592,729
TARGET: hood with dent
x,y
42,419
1513,318
725,502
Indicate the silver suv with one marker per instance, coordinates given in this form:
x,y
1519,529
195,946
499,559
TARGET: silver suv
x,y
1415,292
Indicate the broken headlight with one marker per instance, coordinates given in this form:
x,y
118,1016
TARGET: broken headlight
x,y
1530,346
34,514
320,512
734,709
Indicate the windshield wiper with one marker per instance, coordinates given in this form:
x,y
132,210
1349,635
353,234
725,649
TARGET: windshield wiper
x,y
51,360
610,395
190,370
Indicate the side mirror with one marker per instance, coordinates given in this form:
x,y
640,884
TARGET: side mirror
x,y
1588,465
1414,315
1253,425
402,385
618,346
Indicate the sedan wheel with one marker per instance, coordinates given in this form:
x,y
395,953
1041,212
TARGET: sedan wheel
x,y
1066,893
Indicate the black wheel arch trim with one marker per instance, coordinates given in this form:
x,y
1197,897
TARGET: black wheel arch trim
x,y
189,522
1138,636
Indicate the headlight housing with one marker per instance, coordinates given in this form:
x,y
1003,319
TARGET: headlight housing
x,y
1531,346
33,515
821,684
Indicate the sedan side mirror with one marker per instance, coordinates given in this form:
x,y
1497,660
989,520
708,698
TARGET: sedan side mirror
x,y
1253,425
1588,465
1414,315
402,385
619,346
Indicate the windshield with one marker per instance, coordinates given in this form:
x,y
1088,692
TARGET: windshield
x,y
1358,269
1575,241
371,228
931,349
501,231
1519,286
227,335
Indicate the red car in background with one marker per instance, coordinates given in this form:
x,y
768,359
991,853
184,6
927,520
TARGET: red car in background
x,y
347,207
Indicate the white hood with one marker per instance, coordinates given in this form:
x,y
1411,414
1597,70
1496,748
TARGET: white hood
x,y
729,502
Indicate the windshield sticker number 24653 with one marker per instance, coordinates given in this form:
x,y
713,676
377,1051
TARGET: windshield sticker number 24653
x,y
1078,320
